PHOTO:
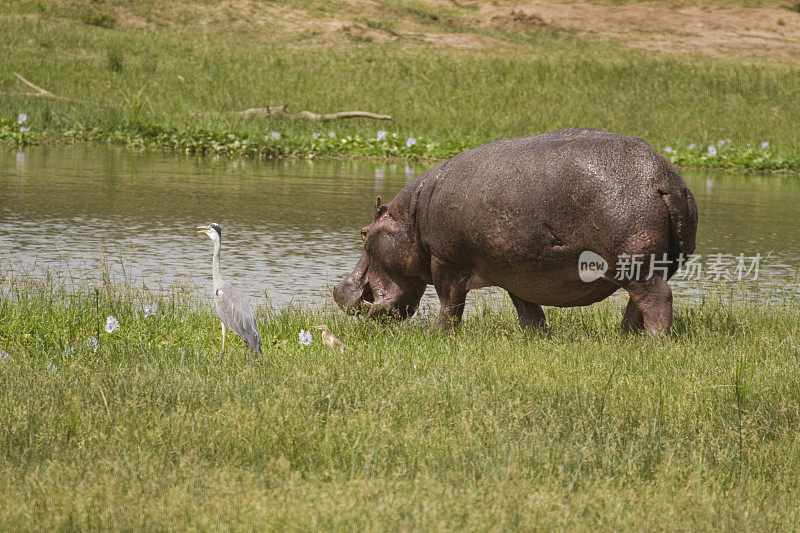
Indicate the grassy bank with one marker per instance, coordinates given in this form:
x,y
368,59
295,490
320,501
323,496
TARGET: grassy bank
x,y
488,428
166,78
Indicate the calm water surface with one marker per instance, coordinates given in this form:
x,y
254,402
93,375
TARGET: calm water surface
x,y
291,228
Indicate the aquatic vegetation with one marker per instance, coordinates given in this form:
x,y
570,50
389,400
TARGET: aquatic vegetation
x,y
273,144
17,132
111,324
305,337
728,155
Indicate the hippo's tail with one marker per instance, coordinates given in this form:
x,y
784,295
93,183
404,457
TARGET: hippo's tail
x,y
682,225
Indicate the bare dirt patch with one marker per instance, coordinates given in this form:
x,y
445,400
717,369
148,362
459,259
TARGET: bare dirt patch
x,y
703,29
736,31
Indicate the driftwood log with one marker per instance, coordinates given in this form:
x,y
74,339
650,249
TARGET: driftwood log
x,y
43,93
282,111
252,112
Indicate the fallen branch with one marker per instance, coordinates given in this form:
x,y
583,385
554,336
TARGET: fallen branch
x,y
282,111
265,111
344,114
44,93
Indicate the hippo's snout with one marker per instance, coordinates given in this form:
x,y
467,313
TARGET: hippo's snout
x,y
351,296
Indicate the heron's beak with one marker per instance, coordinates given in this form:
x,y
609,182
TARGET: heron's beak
x,y
319,327
203,229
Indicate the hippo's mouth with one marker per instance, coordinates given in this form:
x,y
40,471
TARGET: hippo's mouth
x,y
371,305
372,295
367,300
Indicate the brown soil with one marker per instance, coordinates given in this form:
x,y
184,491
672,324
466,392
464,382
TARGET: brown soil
x,y
655,26
736,31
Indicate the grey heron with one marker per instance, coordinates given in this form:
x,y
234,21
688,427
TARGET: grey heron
x,y
232,307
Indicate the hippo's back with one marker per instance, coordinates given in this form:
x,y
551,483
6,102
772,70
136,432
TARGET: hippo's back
x,y
520,211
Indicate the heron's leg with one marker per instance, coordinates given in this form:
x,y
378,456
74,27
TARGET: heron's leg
x,y
224,331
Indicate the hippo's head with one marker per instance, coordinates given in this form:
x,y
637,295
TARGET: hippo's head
x,y
387,279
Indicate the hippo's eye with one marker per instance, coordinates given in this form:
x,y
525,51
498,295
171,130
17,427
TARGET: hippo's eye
x,y
364,234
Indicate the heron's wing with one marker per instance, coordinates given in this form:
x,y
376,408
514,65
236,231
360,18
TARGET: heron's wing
x,y
237,315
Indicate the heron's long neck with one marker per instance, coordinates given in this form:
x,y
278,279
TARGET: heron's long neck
x,y
215,264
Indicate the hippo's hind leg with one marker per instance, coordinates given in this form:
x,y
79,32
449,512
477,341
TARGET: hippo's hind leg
x,y
530,315
651,300
633,320
452,291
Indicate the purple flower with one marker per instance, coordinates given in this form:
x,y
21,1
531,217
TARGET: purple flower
x,y
692,146
149,310
721,143
4,355
92,341
275,135
305,337
668,149
764,145
411,142
315,135
111,324
331,133
23,129
712,151
22,118
381,135
50,366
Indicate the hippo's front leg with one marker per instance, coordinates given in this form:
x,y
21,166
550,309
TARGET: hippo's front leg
x,y
451,287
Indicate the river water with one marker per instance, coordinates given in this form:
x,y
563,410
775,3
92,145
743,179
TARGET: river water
x,y
292,228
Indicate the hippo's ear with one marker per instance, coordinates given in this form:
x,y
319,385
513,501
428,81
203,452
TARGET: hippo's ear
x,y
379,208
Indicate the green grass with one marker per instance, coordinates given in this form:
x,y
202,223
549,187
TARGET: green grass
x,y
488,428
177,87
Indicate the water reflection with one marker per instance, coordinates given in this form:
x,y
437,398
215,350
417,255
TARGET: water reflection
x,y
291,228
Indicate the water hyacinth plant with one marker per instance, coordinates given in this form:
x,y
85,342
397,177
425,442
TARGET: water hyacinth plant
x,y
17,132
274,144
112,324
722,153
305,337
725,154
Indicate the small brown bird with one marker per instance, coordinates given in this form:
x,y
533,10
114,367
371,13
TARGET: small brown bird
x,y
330,339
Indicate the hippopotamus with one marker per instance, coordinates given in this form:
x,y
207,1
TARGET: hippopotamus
x,y
561,219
